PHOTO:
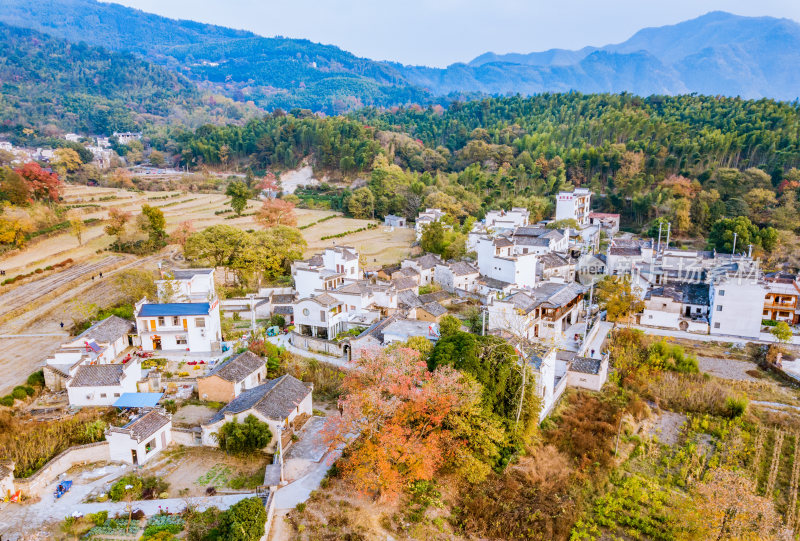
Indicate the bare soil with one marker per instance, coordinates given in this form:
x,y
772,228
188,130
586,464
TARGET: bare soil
x,y
189,416
190,471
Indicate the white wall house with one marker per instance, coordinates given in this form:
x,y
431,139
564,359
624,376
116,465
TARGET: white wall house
x,y
425,265
588,373
425,218
736,306
497,259
141,439
677,306
574,205
544,312
507,219
540,240
277,402
457,275
102,384
320,316
550,384
187,285
189,326
325,271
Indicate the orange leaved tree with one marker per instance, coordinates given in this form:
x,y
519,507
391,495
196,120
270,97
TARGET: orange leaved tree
x,y
276,212
409,423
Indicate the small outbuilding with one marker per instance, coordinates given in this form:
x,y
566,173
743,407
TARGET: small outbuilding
x,y
141,439
227,381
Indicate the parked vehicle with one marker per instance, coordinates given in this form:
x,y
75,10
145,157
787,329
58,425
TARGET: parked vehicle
x,y
62,488
273,331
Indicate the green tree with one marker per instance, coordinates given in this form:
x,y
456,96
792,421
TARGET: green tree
x,y
243,521
239,194
723,231
216,245
449,325
782,332
361,203
249,436
152,222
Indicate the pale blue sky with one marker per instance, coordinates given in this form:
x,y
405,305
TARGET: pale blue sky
x,y
440,32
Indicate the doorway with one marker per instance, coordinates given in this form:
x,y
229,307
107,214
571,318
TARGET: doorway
x,y
156,342
134,458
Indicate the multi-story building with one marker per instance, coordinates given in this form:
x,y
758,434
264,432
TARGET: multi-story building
x,y
504,220
544,312
736,306
325,271
500,260
186,319
426,218
575,205
781,300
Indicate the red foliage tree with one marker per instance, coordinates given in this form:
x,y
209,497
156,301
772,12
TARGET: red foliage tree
x,y
399,410
276,212
43,184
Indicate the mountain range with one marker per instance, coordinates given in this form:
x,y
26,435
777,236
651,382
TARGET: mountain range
x,y
717,53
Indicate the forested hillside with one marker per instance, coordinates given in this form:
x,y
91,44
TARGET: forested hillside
x,y
718,53
49,84
690,159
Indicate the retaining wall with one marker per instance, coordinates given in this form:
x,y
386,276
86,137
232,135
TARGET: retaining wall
x,y
79,454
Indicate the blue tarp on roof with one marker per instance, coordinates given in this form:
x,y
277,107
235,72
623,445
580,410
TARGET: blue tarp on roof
x,y
138,400
175,309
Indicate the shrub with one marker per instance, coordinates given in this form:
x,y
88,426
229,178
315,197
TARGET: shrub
x,y
29,390
170,406
99,518
735,406
7,401
242,438
19,393
36,379
244,521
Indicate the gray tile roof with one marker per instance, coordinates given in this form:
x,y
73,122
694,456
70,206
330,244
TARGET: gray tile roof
x,y
239,367
185,274
551,260
97,375
376,330
325,300
460,268
108,330
145,426
435,309
404,283
625,250
283,299
409,298
408,272
427,261
530,231
275,399
436,296
586,365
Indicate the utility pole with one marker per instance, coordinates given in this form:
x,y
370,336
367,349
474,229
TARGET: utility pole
x,y
588,312
522,390
733,251
669,228
658,246
483,323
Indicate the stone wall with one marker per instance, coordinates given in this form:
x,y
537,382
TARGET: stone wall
x,y
317,345
79,454
186,436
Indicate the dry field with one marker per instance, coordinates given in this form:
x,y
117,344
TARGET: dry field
x,y
38,306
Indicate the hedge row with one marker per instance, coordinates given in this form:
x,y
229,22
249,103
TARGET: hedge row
x,y
345,233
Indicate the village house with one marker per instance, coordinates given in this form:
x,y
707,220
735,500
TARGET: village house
x,y
187,316
278,402
406,272
325,271
554,266
540,240
425,265
102,384
321,316
504,220
456,276
426,218
141,439
390,220
623,255
189,326
575,205
400,330
102,343
545,312
781,300
497,259
681,306
550,382
736,306
587,372
590,268
126,138
607,222
227,380
431,312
